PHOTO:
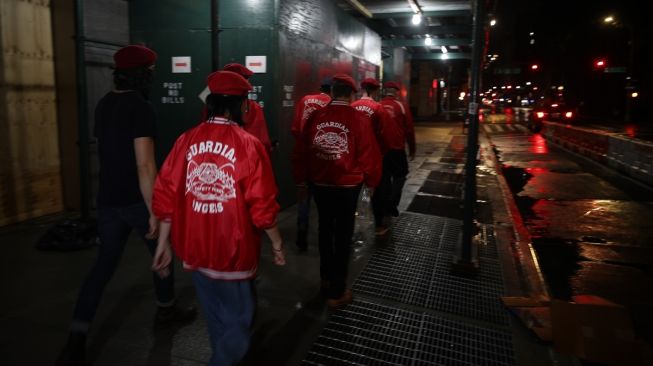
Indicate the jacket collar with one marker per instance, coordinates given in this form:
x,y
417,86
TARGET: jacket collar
x,y
339,102
220,121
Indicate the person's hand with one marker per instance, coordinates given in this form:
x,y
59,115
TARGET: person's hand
x,y
279,254
153,231
162,259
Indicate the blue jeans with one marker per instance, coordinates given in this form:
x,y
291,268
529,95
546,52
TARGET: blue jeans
x,y
229,308
114,226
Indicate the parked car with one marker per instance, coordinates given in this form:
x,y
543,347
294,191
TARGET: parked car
x,y
557,112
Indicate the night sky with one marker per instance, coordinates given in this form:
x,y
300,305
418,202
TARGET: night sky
x,y
569,37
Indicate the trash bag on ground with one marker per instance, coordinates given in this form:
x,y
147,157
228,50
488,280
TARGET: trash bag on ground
x,y
69,235
364,221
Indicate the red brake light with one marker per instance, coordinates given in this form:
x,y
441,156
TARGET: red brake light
x,y
554,105
540,114
569,114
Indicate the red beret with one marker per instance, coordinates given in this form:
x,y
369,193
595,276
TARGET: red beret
x,y
345,79
238,69
370,82
228,83
391,84
134,56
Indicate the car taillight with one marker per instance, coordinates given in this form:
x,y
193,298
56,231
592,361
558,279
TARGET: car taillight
x,y
540,114
569,114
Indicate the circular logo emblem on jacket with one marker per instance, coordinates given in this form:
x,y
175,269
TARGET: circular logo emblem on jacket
x,y
210,182
330,141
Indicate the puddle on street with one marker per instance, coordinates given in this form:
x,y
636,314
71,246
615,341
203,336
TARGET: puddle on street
x,y
559,260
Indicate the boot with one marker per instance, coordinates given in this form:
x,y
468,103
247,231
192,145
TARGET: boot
x,y
174,315
346,298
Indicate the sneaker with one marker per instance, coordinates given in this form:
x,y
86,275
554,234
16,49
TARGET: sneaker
x,y
346,298
302,241
174,314
74,353
381,230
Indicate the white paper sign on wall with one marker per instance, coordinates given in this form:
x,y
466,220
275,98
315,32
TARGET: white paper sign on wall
x,y
256,63
181,65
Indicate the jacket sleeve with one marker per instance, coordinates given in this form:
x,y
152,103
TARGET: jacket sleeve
x,y
257,125
296,126
167,183
378,122
261,189
368,152
410,130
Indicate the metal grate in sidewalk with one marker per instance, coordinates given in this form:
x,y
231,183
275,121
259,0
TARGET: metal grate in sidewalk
x,y
368,333
416,269
446,177
438,206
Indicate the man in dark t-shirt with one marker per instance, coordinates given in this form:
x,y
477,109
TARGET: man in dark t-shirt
x,y
125,127
121,119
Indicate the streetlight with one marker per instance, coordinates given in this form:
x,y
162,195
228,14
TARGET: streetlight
x,y
611,20
493,22
417,18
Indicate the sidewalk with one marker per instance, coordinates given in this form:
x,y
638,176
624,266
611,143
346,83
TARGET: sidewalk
x,y
408,309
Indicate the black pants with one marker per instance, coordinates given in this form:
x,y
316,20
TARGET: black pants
x,y
336,207
114,226
388,194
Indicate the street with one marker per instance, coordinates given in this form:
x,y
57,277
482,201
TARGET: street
x,y
590,226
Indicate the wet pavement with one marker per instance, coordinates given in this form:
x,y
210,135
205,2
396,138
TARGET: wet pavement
x,y
592,229
409,307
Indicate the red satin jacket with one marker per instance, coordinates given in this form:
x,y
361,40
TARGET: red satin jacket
x,y
399,128
337,148
307,105
217,188
255,124
376,114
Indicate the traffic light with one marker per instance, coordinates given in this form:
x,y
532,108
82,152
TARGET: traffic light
x,y
600,64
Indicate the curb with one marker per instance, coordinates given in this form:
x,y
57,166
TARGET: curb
x,y
519,243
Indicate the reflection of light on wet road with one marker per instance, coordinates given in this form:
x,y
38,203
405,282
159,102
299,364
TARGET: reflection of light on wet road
x,y
592,234
537,171
600,205
631,130
539,145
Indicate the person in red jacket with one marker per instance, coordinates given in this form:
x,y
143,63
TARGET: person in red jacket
x,y
254,119
396,133
304,108
336,154
214,195
376,112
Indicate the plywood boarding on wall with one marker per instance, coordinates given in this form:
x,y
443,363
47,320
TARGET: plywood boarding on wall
x,y
30,179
